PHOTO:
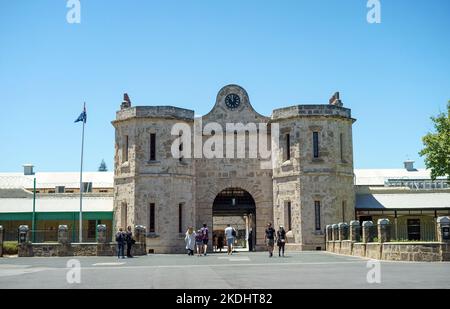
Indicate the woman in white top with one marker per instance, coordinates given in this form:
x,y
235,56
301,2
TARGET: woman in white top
x,y
190,240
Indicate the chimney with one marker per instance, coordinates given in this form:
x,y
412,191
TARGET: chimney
x,y
334,100
28,169
409,165
126,103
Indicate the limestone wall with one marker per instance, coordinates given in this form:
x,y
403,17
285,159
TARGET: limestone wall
x,y
393,251
76,249
303,179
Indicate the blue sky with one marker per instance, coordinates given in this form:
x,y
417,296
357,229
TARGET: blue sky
x,y
393,75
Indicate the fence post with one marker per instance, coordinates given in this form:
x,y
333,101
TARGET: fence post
x,y
384,230
24,234
443,229
335,231
63,234
366,235
1,240
354,230
329,232
139,235
343,231
25,248
101,233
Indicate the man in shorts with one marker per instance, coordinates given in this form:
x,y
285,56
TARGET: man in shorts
x,y
230,233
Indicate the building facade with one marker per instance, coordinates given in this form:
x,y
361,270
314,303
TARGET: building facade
x,y
301,175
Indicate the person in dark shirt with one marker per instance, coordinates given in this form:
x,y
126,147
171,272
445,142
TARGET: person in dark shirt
x,y
270,238
281,240
129,240
120,238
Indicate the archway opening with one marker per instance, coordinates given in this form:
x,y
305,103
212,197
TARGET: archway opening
x,y
237,207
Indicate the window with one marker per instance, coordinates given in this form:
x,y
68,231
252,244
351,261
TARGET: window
x,y
413,229
316,144
317,215
341,146
152,218
125,149
91,229
124,215
344,204
60,189
289,215
180,218
288,147
152,147
86,187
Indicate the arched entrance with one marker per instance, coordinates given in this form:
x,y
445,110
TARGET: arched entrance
x,y
237,207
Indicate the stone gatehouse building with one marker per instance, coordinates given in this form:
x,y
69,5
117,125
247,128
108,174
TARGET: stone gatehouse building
x,y
306,183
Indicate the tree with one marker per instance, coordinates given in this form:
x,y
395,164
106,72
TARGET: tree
x,y
102,167
437,146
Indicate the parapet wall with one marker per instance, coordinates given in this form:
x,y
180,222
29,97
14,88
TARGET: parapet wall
x,y
169,112
311,110
394,251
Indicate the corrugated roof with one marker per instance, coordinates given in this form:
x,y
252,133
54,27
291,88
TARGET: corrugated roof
x,y
377,177
403,201
50,180
56,204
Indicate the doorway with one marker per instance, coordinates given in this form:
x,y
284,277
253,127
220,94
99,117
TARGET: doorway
x,y
236,207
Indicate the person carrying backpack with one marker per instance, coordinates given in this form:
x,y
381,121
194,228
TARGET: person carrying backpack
x,y
129,240
120,239
205,234
281,240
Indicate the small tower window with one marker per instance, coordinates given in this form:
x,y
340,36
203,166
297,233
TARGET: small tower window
x,y
288,147
316,144
152,147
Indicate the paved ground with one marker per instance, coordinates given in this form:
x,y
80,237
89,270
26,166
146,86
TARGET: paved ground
x,y
242,270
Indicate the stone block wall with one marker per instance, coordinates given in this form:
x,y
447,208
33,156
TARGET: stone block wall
x,y
75,249
384,249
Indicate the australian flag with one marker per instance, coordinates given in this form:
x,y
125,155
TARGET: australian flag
x,y
83,115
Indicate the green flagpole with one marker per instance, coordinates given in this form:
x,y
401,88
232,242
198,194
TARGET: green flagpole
x,y
33,227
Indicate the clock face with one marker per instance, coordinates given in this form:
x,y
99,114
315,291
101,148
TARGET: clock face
x,y
232,101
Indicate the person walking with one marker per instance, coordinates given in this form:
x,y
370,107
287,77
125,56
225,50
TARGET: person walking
x,y
129,240
199,242
269,237
205,234
281,240
190,240
230,233
250,240
120,239
220,242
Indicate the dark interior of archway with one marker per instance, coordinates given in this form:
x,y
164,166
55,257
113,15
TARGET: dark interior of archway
x,y
233,202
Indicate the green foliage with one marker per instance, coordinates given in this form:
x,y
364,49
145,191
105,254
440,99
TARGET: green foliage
x,y
437,146
10,247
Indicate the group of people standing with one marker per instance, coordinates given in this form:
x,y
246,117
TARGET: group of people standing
x,y
122,238
197,240
272,236
200,240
